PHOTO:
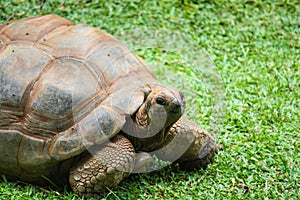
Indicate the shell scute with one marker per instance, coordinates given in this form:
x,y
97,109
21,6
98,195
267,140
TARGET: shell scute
x,y
19,67
9,151
73,41
33,28
32,154
62,96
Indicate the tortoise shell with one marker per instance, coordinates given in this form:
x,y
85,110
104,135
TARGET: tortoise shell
x,y
63,88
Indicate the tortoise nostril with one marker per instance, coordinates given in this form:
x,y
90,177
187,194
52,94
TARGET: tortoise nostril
x,y
176,105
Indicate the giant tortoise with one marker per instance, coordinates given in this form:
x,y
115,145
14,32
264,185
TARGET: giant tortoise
x,y
78,108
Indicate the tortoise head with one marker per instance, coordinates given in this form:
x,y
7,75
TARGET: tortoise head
x,y
162,105
161,108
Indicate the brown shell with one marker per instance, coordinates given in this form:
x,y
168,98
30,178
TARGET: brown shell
x,y
63,87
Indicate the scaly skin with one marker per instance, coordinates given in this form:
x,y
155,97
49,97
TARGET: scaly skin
x,y
105,168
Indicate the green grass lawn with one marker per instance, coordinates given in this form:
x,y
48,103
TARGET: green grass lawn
x,y
255,47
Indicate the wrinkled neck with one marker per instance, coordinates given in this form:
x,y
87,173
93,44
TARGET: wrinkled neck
x,y
142,116
152,143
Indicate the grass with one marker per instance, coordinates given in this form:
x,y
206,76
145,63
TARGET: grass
x,y
255,46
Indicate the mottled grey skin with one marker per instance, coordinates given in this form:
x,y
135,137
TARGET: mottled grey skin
x,y
76,106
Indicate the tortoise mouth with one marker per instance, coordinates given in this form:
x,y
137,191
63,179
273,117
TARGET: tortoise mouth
x,y
175,112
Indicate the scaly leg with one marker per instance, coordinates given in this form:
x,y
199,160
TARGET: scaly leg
x,y
189,145
104,169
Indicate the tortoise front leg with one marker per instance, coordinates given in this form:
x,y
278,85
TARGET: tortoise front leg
x,y
103,168
195,146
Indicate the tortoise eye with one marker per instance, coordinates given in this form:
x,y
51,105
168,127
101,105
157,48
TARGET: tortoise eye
x,y
161,101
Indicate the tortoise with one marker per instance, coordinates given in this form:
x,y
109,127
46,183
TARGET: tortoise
x,y
78,108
